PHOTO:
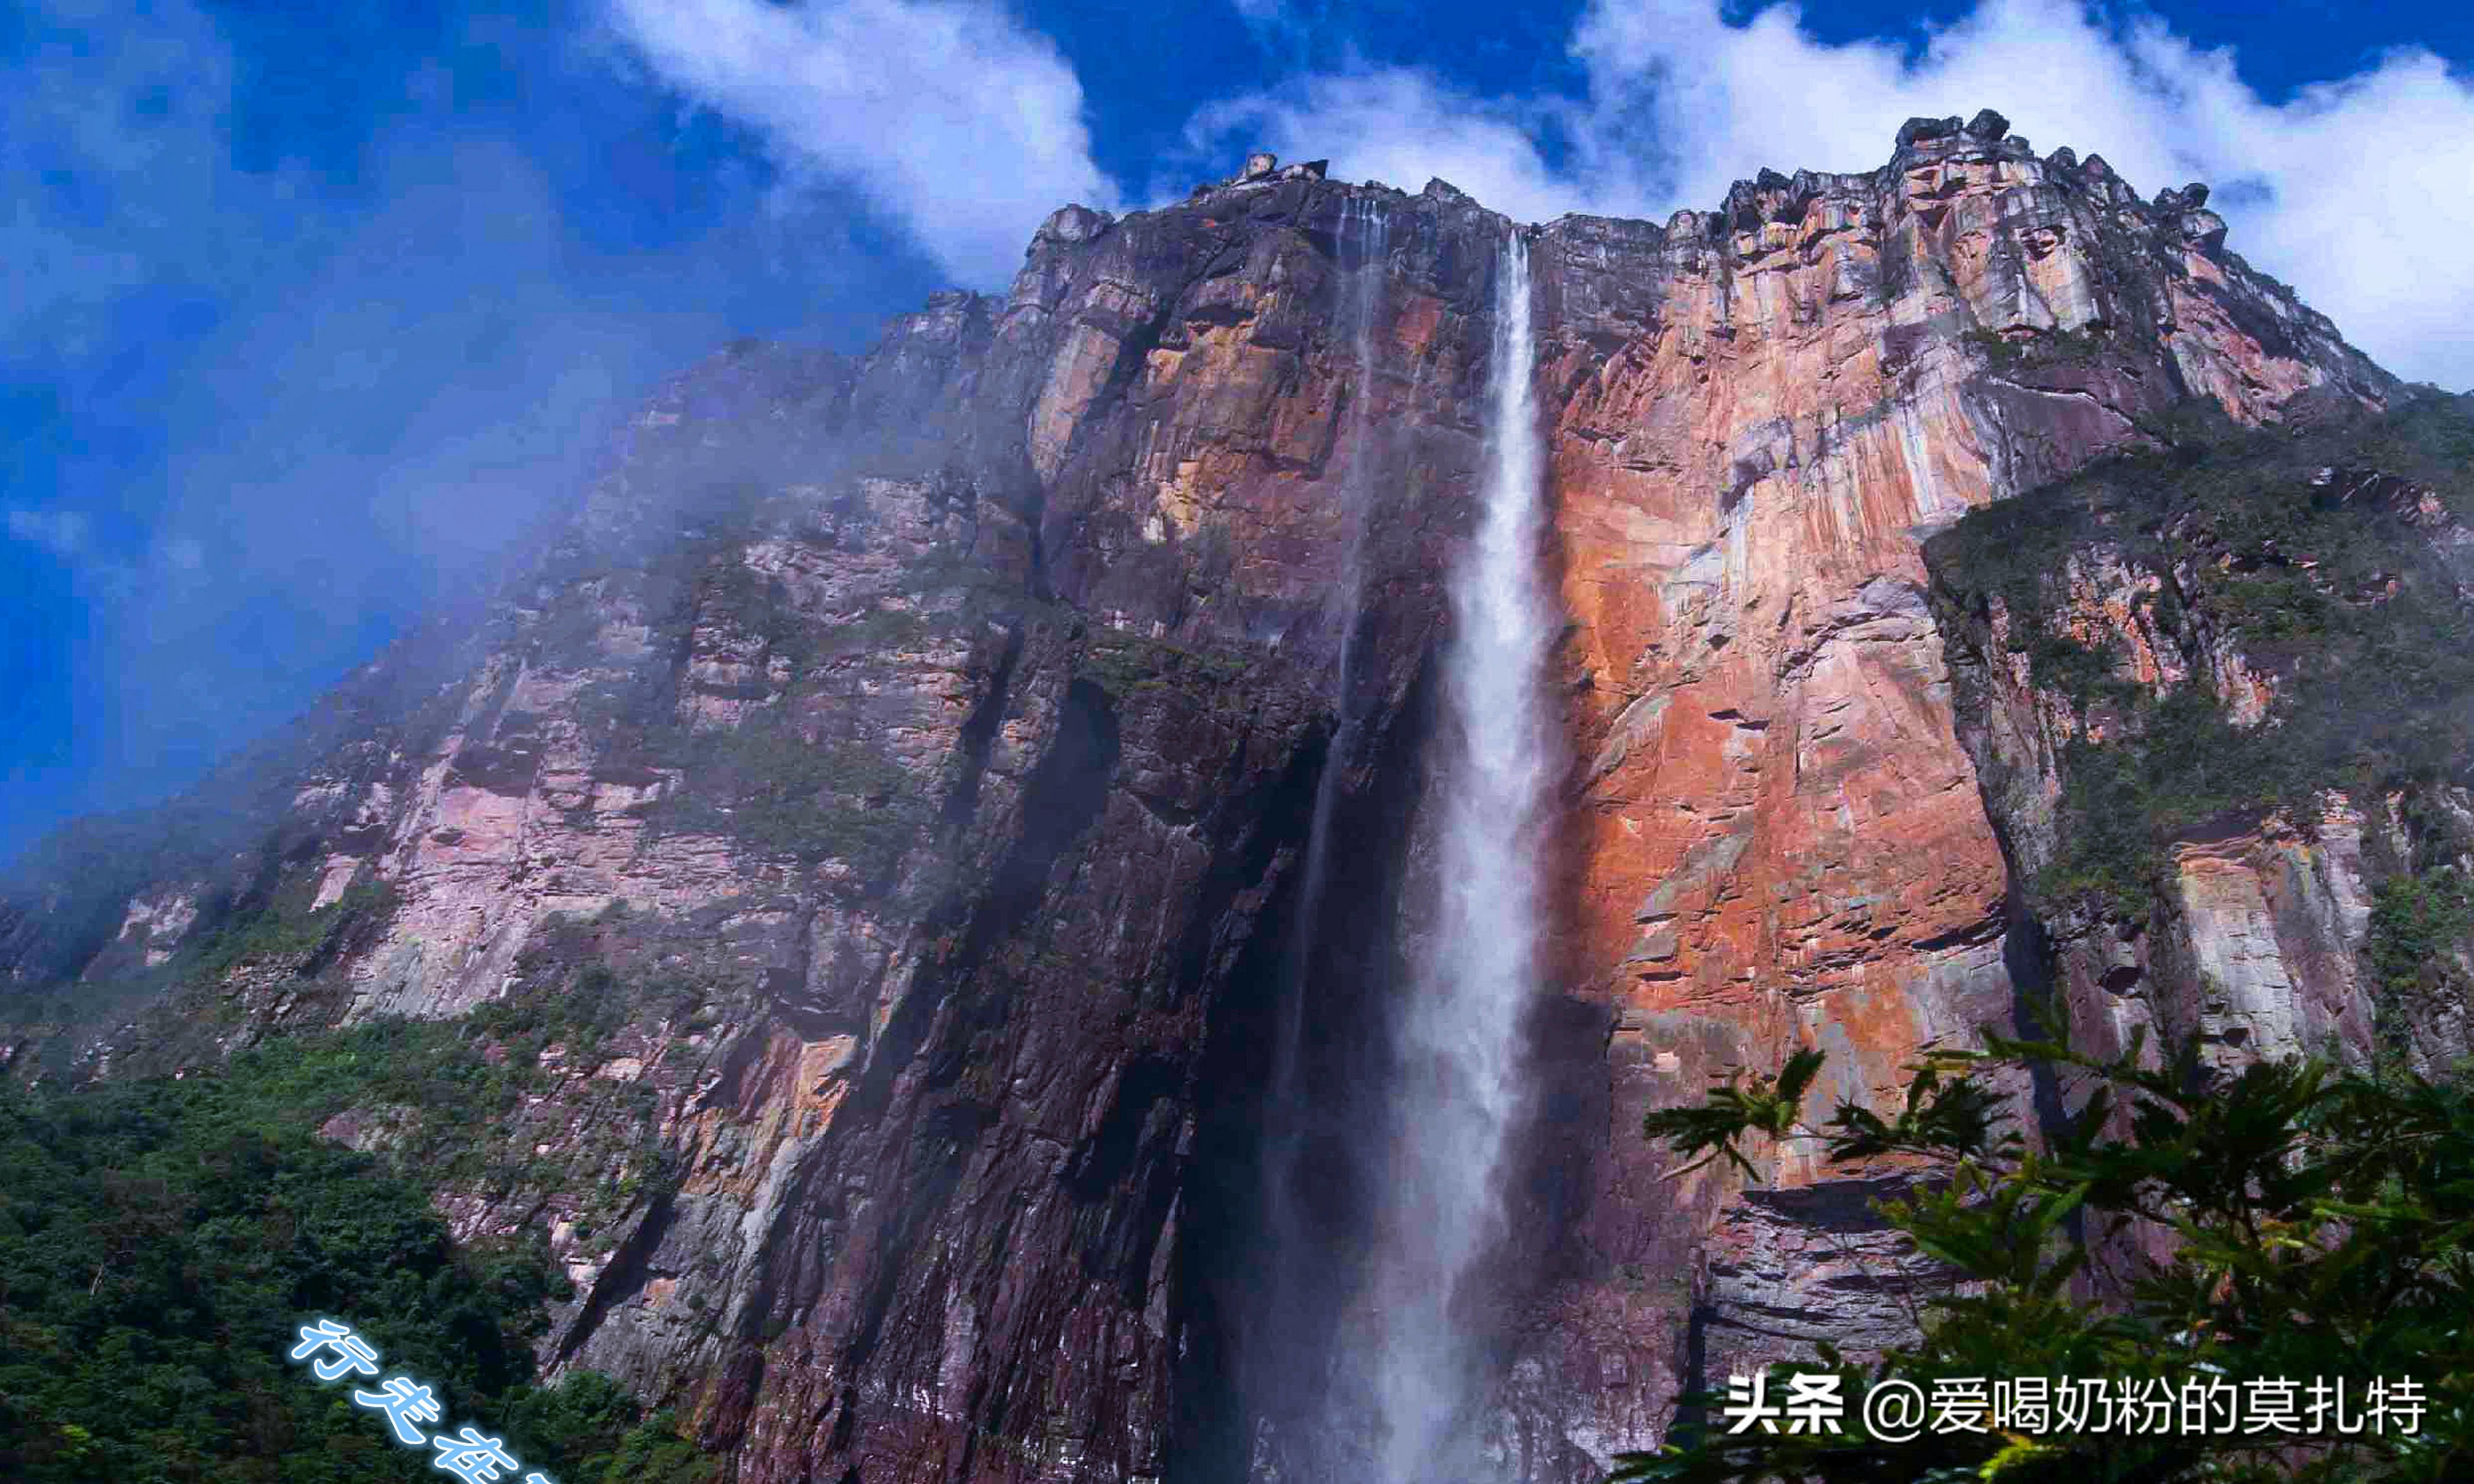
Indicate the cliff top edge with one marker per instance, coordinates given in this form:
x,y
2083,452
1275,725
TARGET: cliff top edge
x,y
1768,195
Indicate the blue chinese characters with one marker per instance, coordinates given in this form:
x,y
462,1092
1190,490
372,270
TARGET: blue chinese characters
x,y
468,1454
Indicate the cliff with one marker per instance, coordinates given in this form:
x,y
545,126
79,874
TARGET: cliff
x,y
2215,700
874,822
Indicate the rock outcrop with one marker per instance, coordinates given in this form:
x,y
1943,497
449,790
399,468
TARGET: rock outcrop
x,y
1763,413
927,743
2304,642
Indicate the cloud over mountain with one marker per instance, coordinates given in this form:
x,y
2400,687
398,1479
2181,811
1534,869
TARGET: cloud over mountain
x,y
2353,190
952,117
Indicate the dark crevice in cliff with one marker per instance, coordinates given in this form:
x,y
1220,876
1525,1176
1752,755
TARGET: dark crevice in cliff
x,y
624,1279
2028,958
1691,1415
1964,935
1264,1278
1063,796
949,1020
978,734
1222,1261
1125,1177
1102,1163
1280,825
1030,505
932,1169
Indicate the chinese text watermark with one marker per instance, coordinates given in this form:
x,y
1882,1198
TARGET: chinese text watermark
x,y
1900,1411
467,1454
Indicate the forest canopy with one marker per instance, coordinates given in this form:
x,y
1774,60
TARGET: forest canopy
x,y
162,1240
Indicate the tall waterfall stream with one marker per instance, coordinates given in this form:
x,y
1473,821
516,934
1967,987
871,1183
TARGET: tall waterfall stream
x,y
1409,1354
1461,1031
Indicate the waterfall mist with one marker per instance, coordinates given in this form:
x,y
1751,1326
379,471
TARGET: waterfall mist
x,y
1361,239
1298,1255
1457,1088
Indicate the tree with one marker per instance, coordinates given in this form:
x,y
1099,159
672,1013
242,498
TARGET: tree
x,y
160,1239
2318,1222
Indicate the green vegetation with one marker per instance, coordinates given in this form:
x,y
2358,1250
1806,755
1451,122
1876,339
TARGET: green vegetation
x,y
883,629
159,1241
1122,664
448,1096
2085,672
2322,1226
764,783
2421,925
2419,920
2123,799
264,933
282,930
2429,441
760,605
2253,547
2039,348
257,936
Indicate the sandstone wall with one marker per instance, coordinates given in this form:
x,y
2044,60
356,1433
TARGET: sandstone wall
x,y
1039,602
1763,413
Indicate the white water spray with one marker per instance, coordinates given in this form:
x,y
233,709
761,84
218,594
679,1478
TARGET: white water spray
x,y
1298,1268
1461,1034
1362,227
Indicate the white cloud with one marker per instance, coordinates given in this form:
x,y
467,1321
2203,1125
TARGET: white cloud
x,y
2354,192
947,113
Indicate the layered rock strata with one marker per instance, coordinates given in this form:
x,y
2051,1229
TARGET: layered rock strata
x,y
1763,413
951,717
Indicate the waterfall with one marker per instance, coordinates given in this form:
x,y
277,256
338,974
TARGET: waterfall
x,y
1457,1091
1362,230
1298,1263
1383,1205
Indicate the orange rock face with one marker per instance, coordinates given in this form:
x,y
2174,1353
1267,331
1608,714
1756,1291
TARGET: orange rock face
x,y
1782,842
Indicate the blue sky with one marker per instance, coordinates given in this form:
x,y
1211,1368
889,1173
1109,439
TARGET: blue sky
x,y
309,310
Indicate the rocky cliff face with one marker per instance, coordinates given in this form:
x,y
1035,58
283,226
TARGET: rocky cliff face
x,y
2295,629
908,761
1764,412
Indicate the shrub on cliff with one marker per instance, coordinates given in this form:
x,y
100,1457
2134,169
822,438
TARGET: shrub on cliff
x,y
2285,545
2418,920
2321,1228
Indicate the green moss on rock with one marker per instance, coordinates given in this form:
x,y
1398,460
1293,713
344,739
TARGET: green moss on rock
x,y
1122,664
2255,543
764,783
2036,349
2420,922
